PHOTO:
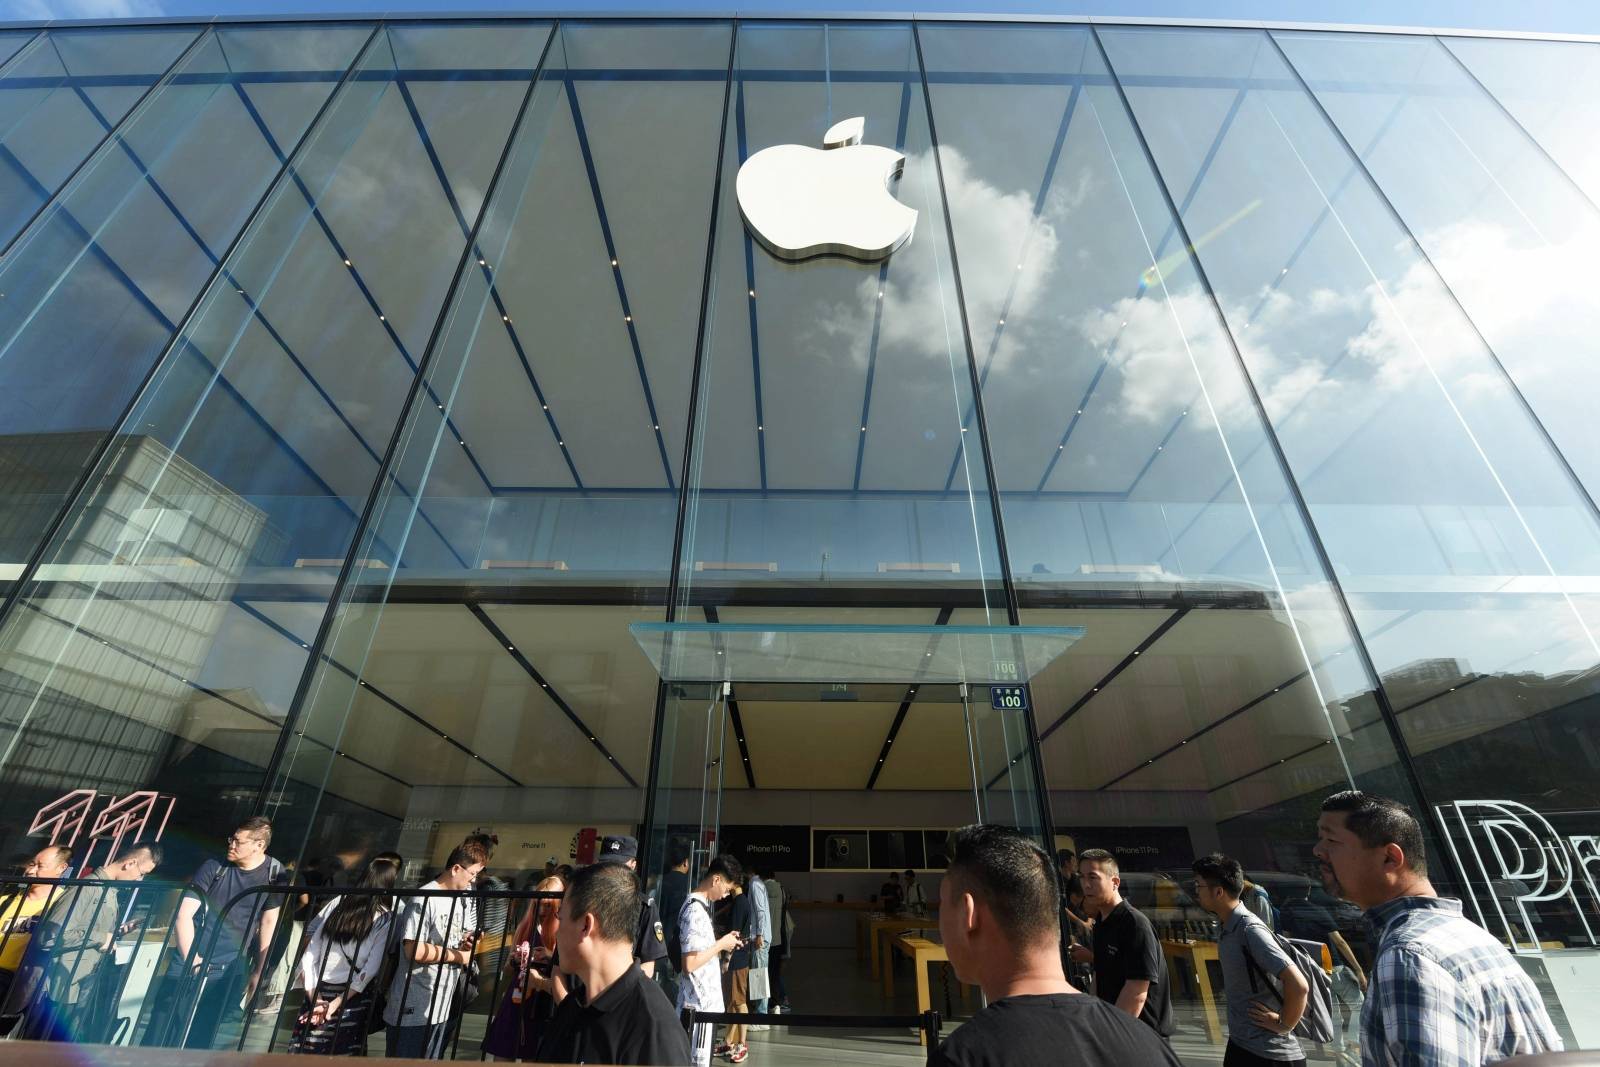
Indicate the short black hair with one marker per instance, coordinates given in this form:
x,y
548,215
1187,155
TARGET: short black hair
x,y
1099,855
727,866
610,893
1063,855
130,851
257,826
1013,876
678,852
1379,821
1221,871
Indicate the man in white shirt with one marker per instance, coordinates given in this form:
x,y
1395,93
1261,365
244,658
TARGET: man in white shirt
x,y
916,899
700,986
437,936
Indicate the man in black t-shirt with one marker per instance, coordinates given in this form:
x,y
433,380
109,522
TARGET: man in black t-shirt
x,y
999,917
1129,969
616,1014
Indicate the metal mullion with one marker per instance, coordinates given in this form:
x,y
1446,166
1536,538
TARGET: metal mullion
x,y
390,455
1270,434
92,463
686,477
1013,612
111,131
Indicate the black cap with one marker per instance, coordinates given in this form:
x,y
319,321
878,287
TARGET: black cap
x,y
618,849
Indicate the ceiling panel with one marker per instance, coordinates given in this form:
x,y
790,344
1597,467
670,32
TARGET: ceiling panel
x,y
833,745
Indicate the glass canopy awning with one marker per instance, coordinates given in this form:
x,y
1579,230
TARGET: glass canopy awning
x,y
795,652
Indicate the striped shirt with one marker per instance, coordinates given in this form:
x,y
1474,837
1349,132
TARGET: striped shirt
x,y
1444,993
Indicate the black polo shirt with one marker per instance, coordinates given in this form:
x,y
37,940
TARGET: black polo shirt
x,y
650,940
1125,948
631,1023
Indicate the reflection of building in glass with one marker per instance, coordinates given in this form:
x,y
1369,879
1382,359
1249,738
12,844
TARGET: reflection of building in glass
x,y
1262,356
106,686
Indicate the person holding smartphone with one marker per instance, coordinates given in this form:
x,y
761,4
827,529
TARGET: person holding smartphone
x,y
437,938
701,984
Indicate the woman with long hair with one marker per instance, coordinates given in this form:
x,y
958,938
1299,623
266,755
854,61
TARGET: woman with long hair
x,y
346,945
533,985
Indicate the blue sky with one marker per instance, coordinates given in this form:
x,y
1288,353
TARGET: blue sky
x,y
1566,16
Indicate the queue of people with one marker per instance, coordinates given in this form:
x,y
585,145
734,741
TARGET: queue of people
x,y
587,969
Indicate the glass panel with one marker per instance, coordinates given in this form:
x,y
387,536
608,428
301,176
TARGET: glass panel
x,y
1504,227
1216,695
1543,84
98,285
12,42
61,97
832,453
196,565
480,654
979,655
1465,550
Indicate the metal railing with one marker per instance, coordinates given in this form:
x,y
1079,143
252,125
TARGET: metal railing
x,y
104,965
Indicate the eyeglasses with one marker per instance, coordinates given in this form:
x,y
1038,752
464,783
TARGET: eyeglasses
x,y
238,841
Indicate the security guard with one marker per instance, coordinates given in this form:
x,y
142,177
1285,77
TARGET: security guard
x,y
650,942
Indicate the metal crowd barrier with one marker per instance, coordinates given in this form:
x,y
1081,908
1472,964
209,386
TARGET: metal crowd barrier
x,y
117,976
929,1022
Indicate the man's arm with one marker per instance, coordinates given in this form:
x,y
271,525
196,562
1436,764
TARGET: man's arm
x,y
1296,992
426,952
183,925
1135,991
1340,945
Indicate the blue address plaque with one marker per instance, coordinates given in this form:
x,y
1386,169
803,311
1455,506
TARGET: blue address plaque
x,y
1008,697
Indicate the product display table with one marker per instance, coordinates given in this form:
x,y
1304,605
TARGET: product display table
x,y
922,952
1195,955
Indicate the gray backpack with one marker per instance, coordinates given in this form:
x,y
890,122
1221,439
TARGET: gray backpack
x,y
1317,1022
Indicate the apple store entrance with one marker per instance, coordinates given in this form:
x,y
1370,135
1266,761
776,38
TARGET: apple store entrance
x,y
774,748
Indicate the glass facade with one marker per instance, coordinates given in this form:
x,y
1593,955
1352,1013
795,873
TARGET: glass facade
x,y
362,383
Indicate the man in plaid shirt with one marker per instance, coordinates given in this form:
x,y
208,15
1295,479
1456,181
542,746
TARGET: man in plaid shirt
x,y
1443,993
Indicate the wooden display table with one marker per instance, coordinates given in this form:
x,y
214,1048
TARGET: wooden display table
x,y
922,952
1195,955
877,924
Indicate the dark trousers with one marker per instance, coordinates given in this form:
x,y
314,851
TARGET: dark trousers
x,y
780,992
1238,1056
416,1042
217,1006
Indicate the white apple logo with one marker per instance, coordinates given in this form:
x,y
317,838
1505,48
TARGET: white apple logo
x,y
802,202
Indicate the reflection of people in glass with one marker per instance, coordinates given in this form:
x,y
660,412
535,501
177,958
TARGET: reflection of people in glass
x,y
1443,991
1129,969
1308,914
21,912
1261,1020
65,996
227,948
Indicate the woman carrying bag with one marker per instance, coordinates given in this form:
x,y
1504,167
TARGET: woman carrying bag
x,y
533,986
346,945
